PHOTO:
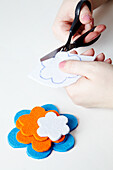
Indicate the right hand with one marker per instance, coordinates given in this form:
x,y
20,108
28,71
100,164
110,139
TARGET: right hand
x,y
65,17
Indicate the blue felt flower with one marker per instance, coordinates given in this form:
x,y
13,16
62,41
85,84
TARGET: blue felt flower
x,y
63,146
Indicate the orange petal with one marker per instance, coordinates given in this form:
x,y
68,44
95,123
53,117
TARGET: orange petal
x,y
30,128
29,122
39,138
41,146
35,113
23,139
60,140
38,112
18,124
24,118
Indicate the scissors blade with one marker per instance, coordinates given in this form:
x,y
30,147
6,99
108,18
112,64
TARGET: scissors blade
x,y
51,54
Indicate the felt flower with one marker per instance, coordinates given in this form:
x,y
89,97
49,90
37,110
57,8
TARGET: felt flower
x,y
42,130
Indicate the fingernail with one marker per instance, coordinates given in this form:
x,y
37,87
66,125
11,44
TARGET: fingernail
x,y
62,64
109,60
102,54
86,17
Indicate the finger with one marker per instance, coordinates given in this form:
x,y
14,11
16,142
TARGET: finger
x,y
85,15
100,57
75,37
90,52
82,68
100,28
87,27
82,30
92,35
109,61
61,30
73,52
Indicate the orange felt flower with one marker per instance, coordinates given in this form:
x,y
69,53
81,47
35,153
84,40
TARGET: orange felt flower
x,y
28,130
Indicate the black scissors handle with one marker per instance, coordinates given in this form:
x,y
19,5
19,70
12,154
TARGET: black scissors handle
x,y
76,23
80,41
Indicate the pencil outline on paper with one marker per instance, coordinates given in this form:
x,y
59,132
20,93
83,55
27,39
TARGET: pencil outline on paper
x,y
51,78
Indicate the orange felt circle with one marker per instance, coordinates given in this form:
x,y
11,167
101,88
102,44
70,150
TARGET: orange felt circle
x,y
41,146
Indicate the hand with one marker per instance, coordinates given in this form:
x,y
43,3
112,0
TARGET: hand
x,y
95,88
65,18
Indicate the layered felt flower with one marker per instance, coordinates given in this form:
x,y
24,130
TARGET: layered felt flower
x,y
42,130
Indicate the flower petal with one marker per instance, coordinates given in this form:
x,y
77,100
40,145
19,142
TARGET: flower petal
x,y
29,122
38,112
20,113
13,141
65,146
37,155
37,137
18,124
30,128
41,146
72,121
24,139
48,107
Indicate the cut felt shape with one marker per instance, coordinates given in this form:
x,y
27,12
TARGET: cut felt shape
x,y
48,72
38,147
53,126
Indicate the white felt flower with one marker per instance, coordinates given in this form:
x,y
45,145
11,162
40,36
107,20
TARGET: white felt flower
x,y
52,126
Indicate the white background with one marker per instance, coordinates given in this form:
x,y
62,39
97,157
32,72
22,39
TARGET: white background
x,y
25,35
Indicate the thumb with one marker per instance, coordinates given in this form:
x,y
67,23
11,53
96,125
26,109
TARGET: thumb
x,y
85,15
82,68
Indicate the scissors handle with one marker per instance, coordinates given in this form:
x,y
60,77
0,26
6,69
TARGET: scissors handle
x,y
76,23
80,41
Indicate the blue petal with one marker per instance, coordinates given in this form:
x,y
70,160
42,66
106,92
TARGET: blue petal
x,y
20,113
72,121
37,155
67,145
13,141
48,107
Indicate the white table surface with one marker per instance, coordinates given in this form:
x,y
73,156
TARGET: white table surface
x,y
25,35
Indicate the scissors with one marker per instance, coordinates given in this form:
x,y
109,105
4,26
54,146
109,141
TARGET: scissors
x,y
74,27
